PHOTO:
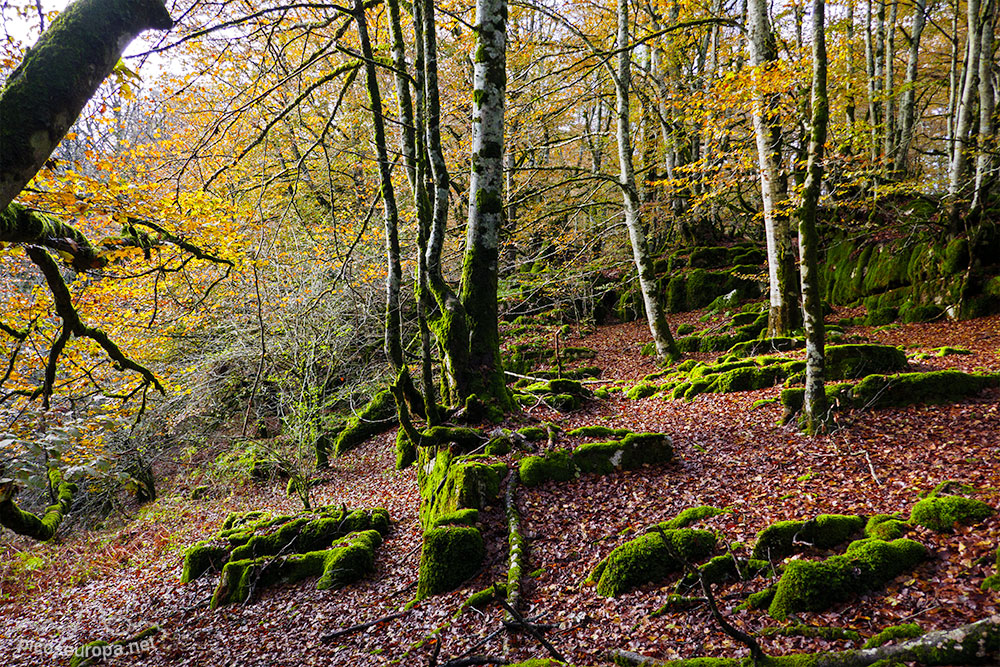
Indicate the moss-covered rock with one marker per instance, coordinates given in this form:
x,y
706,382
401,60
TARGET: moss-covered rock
x,y
784,538
642,390
377,416
692,515
914,388
449,556
766,346
406,451
849,362
554,466
885,527
596,431
818,585
632,451
722,569
346,561
649,559
941,513
449,483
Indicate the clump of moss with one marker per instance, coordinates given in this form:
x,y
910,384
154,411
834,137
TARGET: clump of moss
x,y
642,390
866,565
722,569
449,483
554,466
649,559
894,633
992,582
346,561
678,603
463,517
811,631
533,433
598,432
632,451
885,527
692,515
378,415
848,362
782,539
941,513
450,555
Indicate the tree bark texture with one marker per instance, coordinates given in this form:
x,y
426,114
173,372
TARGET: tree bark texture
x,y
908,99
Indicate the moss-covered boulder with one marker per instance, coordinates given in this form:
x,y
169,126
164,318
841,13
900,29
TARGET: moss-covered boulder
x,y
913,388
554,466
255,535
377,416
850,362
885,527
450,555
649,559
449,482
346,561
784,538
941,513
867,564
632,451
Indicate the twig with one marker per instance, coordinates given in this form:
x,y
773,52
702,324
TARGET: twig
x,y
361,626
532,631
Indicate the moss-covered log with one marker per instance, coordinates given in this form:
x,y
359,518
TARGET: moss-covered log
x,y
58,76
377,416
43,527
973,644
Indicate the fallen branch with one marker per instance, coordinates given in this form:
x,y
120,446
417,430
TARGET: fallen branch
x,y
361,626
533,631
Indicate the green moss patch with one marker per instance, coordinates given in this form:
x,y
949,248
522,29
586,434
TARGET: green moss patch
x,y
346,561
449,483
866,565
784,538
449,556
850,362
632,451
941,513
377,416
648,559
894,633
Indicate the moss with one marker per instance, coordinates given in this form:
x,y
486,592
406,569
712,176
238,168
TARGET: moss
x,y
201,558
911,388
406,451
866,565
677,603
449,483
880,316
692,515
642,390
761,599
480,599
464,438
554,466
885,527
920,313
709,257
766,345
533,433
942,513
377,416
449,556
847,362
464,517
346,561
685,329
894,633
499,445
780,540
648,559
598,432
722,569
632,451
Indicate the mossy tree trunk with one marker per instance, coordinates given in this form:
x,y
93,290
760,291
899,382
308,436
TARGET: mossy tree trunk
x,y
41,528
44,95
814,405
486,210
666,348
783,291
987,106
415,156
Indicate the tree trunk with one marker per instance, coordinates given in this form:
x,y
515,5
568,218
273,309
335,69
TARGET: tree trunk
x,y
666,348
482,244
889,131
814,406
25,523
987,106
908,101
783,293
963,121
58,76
450,326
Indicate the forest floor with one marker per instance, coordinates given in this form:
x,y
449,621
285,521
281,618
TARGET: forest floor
x,y
114,582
